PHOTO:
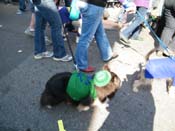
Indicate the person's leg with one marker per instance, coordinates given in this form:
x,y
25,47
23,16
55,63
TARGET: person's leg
x,y
32,20
167,34
103,43
31,28
169,29
135,23
171,89
90,23
136,33
39,33
22,5
50,13
56,34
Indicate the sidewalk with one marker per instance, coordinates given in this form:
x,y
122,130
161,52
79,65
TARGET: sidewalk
x,y
22,80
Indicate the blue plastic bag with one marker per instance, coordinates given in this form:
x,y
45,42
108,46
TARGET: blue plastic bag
x,y
74,11
160,68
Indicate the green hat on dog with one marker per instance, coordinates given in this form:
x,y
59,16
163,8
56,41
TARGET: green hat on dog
x,y
102,78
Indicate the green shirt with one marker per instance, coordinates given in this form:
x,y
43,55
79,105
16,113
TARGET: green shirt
x,y
80,86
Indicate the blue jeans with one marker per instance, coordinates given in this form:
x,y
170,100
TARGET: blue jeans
x,y
31,6
22,5
47,12
133,28
92,26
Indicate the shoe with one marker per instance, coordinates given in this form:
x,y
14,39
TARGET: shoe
x,y
114,55
64,38
171,91
124,40
64,59
46,54
30,32
19,12
88,70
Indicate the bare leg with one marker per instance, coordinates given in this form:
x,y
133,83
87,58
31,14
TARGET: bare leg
x,y
32,22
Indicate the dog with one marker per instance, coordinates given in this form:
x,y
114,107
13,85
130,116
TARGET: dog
x,y
55,92
155,69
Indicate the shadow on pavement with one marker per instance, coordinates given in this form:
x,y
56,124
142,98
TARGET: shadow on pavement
x,y
132,109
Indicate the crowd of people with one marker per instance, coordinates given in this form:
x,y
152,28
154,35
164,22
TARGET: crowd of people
x,y
46,12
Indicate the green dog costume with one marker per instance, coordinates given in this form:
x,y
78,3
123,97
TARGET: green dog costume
x,y
81,85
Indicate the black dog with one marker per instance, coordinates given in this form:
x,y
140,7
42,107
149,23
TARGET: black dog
x,y
55,91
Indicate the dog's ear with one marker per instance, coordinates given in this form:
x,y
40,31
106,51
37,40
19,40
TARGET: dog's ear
x,y
106,67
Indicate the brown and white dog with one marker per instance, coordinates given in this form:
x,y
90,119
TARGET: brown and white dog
x,y
55,92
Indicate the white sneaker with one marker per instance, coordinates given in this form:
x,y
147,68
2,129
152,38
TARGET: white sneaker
x,y
29,31
64,59
46,54
171,91
19,12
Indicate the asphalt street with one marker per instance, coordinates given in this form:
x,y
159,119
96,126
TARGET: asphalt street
x,y
146,107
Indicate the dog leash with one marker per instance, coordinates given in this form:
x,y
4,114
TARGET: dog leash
x,y
161,43
68,41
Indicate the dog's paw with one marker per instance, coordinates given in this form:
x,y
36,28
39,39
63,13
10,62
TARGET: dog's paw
x,y
82,108
99,104
171,91
136,85
104,105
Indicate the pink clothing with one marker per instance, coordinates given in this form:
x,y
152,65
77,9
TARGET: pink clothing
x,y
142,3
121,1
139,3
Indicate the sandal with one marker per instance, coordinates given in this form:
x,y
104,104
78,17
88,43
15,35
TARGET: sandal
x,y
114,55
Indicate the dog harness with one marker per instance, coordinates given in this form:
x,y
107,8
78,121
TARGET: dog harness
x,y
81,86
